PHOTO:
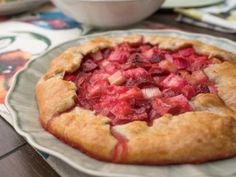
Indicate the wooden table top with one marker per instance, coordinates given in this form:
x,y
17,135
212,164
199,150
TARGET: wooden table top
x,y
19,159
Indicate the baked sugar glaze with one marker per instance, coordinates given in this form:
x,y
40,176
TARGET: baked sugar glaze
x,y
140,81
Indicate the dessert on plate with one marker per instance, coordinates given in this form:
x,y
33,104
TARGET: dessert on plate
x,y
142,100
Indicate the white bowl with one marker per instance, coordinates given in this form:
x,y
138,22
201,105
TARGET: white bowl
x,y
108,13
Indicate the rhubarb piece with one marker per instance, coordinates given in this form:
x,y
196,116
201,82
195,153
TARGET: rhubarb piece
x,y
117,78
151,92
134,92
136,73
174,81
179,104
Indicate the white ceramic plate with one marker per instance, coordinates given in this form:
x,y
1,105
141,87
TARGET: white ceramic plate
x,y
18,6
22,106
188,3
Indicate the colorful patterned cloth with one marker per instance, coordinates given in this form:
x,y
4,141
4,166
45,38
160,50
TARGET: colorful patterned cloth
x,y
220,17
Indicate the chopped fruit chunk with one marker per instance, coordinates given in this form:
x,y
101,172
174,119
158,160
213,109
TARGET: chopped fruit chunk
x,y
155,70
186,52
97,88
169,57
121,109
198,63
151,92
168,66
97,56
130,94
169,92
120,55
198,77
188,91
89,65
136,73
148,54
141,81
98,76
105,63
117,78
109,67
160,107
180,63
186,75
135,58
70,77
179,104
174,81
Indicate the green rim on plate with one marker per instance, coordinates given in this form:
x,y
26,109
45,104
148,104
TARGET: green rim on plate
x,y
168,4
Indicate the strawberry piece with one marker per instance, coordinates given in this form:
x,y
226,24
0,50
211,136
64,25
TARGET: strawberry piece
x,y
174,81
121,109
134,92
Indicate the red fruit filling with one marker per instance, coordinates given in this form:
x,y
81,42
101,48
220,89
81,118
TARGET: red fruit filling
x,y
140,82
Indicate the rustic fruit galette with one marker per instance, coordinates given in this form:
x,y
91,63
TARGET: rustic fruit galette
x,y
142,100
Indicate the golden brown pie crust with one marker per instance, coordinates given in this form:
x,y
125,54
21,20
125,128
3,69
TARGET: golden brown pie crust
x,y
208,133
